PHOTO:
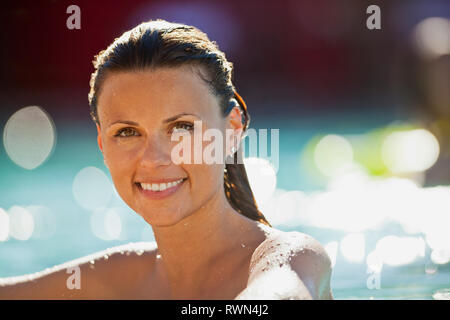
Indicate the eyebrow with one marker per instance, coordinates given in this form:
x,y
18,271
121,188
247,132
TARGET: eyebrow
x,y
126,122
165,121
178,116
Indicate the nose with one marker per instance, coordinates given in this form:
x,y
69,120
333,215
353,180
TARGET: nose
x,y
156,153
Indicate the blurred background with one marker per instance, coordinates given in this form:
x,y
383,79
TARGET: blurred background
x,y
363,118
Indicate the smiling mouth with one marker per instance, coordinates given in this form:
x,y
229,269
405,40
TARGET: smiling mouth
x,y
160,187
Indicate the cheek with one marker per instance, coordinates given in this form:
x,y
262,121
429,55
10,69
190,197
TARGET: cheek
x,y
120,163
119,156
206,180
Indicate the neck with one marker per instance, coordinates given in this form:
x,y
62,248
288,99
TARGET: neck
x,y
201,246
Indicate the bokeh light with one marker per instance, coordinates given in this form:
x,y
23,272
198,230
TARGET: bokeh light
x,y
442,294
353,247
432,37
289,206
333,155
29,137
351,210
92,188
106,223
284,207
4,225
410,151
21,223
398,251
262,178
374,262
44,221
440,256
438,239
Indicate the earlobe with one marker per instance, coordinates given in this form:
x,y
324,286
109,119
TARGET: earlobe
x,y
235,123
236,119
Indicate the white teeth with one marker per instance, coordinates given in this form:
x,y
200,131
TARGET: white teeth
x,y
160,186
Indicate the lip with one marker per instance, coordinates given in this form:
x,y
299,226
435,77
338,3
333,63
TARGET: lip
x,y
160,194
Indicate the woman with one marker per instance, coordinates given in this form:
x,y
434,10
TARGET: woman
x,y
155,81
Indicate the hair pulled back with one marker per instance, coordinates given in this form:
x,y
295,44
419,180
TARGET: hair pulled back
x,y
159,43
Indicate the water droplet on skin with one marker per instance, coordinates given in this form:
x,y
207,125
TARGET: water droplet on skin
x,y
158,256
242,245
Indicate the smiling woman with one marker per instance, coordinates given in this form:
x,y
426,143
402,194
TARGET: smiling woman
x,y
212,242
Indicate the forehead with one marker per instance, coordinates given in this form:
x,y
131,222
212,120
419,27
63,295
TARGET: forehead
x,y
157,93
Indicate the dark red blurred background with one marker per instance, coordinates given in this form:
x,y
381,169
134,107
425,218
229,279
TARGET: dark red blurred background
x,y
317,52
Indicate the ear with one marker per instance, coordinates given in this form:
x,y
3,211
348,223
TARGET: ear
x,y
235,123
99,138
235,119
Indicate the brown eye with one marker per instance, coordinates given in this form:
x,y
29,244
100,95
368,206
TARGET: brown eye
x,y
182,126
126,132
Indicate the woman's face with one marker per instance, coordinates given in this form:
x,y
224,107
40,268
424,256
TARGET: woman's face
x,y
138,112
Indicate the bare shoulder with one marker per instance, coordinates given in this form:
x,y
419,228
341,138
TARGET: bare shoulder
x,y
293,242
294,255
312,264
107,274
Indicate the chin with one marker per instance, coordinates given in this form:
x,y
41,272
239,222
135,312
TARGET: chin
x,y
162,218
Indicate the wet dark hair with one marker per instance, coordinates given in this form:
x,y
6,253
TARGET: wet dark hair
x,y
159,43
